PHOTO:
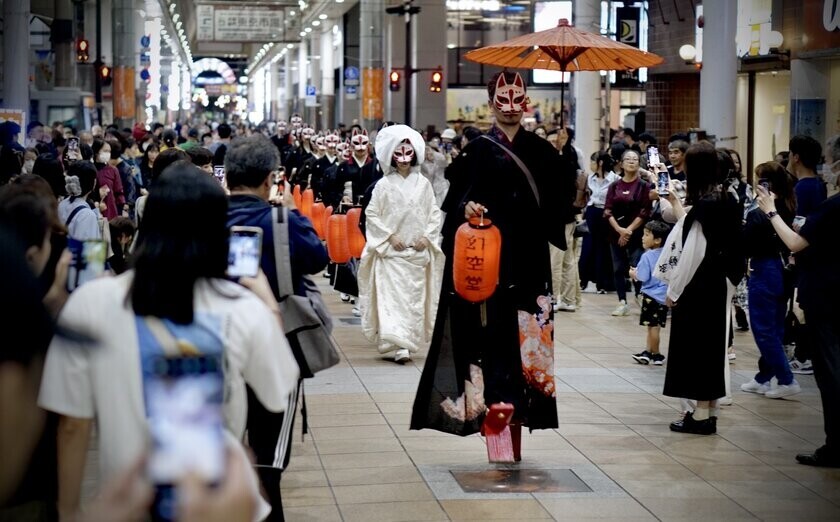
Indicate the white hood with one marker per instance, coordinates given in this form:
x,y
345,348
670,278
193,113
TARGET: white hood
x,y
387,140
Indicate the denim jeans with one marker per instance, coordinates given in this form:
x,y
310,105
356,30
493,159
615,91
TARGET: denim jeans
x,y
767,318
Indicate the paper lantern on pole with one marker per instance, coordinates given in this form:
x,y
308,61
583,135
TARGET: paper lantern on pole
x,y
306,201
318,218
296,195
327,213
355,238
477,255
337,245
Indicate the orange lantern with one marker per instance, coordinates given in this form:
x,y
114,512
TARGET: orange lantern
x,y
318,218
306,202
337,246
296,195
327,213
355,238
477,254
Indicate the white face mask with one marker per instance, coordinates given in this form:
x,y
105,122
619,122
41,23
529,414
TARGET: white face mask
x,y
28,165
104,157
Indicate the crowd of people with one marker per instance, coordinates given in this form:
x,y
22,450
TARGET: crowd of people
x,y
711,249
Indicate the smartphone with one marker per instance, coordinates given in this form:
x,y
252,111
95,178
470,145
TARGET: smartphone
x,y
88,261
244,252
219,174
73,143
663,184
184,397
653,156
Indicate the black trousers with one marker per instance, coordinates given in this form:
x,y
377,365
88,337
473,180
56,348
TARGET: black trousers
x,y
825,356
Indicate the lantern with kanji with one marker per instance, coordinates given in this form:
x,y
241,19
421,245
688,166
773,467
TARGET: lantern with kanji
x,y
318,219
296,195
307,199
355,238
327,213
478,246
337,246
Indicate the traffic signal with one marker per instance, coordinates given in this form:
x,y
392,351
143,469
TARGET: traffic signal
x,y
82,49
105,75
395,81
437,78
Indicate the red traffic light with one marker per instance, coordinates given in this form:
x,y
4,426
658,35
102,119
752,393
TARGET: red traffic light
x,y
395,80
82,48
437,79
105,75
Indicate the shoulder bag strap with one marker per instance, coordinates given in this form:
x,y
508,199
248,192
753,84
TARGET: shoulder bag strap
x,y
163,336
73,214
521,166
282,257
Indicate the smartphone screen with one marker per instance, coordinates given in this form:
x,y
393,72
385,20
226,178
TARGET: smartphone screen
x,y
88,261
184,398
244,252
219,174
663,184
73,143
653,156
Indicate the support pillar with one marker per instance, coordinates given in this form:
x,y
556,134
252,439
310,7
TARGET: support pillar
x,y
16,55
289,98
720,70
273,93
587,86
327,87
125,105
372,62
314,58
63,43
302,76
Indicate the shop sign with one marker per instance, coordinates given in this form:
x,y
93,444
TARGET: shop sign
x,y
831,15
239,22
628,25
819,26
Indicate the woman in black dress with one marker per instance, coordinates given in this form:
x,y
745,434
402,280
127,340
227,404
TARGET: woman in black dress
x,y
700,306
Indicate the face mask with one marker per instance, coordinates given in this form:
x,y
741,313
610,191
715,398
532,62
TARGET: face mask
x,y
28,165
105,157
360,140
510,98
404,153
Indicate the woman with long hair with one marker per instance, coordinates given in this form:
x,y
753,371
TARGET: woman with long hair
x,y
176,291
767,294
595,260
704,262
146,163
626,209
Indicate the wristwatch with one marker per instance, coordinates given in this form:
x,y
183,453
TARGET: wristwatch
x,y
772,214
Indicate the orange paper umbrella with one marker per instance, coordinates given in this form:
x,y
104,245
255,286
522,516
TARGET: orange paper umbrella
x,y
564,48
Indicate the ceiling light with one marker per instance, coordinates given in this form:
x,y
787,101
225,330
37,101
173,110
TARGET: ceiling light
x,y
308,29
176,17
302,33
291,13
316,23
322,16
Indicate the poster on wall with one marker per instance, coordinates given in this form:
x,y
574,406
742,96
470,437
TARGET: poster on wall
x,y
808,117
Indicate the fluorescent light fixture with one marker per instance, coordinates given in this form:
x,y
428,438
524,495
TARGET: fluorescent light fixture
x,y
316,23
473,5
308,29
322,16
289,46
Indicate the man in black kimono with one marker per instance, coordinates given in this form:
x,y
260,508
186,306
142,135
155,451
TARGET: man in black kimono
x,y
360,171
301,154
499,351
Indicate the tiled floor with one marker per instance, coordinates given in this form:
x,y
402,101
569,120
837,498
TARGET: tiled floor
x,y
361,462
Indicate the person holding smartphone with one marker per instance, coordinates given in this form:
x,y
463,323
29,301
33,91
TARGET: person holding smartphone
x,y
179,283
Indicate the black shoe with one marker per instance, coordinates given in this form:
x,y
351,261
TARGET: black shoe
x,y
643,357
657,359
741,320
821,457
688,425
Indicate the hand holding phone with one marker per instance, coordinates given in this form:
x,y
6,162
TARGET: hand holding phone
x,y
663,184
245,251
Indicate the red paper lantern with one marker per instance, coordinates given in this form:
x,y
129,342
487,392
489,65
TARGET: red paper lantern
x,y
318,218
355,238
477,255
337,246
327,213
306,202
296,195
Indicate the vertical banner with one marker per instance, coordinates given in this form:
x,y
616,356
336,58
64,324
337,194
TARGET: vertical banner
x,y
373,93
628,20
124,93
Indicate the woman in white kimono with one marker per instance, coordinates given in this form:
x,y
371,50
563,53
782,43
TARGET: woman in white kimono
x,y
402,264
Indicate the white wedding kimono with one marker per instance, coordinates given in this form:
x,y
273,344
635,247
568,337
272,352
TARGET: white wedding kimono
x,y
399,291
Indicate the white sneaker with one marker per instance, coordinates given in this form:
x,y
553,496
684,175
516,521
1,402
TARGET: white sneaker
x,y
357,312
731,354
344,297
755,387
725,401
623,309
784,390
802,368
563,306
402,356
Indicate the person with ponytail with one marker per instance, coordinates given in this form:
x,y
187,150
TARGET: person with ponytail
x,y
81,221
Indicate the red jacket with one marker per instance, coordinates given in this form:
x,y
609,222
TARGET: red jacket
x,y
109,176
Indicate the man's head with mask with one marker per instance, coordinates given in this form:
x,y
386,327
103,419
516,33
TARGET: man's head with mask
x,y
508,97
332,139
360,142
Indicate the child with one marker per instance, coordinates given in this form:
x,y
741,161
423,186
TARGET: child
x,y
654,311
